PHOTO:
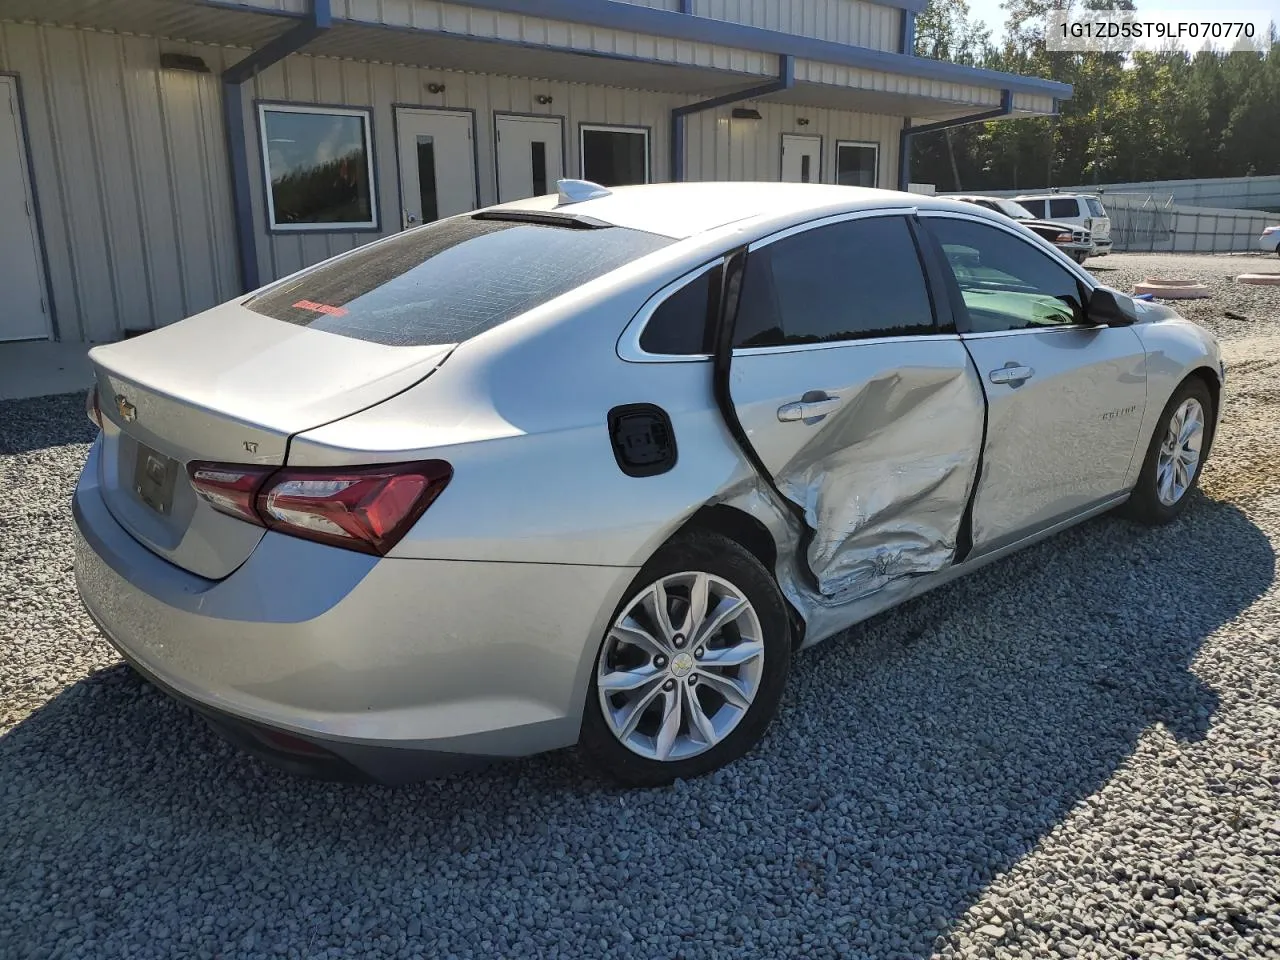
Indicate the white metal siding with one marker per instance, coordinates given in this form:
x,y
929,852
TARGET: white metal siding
x,y
129,166
301,79
474,22
899,83
844,21
1033,103
721,148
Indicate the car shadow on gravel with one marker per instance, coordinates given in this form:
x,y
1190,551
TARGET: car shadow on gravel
x,y
915,760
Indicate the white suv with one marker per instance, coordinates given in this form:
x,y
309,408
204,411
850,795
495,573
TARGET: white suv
x,y
1074,208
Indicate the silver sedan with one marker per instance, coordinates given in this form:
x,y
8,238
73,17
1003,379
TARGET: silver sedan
x,y
589,468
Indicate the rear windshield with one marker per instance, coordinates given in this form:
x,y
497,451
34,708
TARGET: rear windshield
x,y
450,281
1095,208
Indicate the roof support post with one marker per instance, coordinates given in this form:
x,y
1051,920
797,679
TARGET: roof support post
x,y
786,80
233,80
908,131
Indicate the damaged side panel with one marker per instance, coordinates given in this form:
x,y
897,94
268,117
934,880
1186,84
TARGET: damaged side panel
x,y
883,478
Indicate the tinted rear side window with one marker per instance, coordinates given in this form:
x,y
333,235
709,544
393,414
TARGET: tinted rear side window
x,y
1035,206
679,326
1063,208
849,281
450,281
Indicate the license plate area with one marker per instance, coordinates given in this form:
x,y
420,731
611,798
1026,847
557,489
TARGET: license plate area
x,y
154,475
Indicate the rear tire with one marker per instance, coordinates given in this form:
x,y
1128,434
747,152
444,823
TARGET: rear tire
x,y
692,669
1168,475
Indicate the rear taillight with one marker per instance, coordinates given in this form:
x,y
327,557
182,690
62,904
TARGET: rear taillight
x,y
360,508
229,488
91,407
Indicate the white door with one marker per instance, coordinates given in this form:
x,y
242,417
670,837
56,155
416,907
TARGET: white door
x,y
437,164
24,316
801,159
530,158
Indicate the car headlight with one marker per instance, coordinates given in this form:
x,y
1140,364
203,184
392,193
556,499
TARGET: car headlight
x,y
1063,238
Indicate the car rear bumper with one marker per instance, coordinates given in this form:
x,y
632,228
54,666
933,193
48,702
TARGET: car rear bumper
x,y
328,661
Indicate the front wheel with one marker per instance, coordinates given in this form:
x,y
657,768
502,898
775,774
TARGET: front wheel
x,y
1175,456
691,671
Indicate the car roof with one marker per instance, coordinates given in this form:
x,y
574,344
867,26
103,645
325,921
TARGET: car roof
x,y
683,210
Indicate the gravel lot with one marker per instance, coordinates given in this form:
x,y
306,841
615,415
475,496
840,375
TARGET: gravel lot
x,y
1074,753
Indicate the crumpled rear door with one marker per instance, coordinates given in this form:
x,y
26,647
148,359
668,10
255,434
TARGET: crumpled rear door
x,y
883,478
854,397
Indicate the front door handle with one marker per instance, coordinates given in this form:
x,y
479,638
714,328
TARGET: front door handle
x,y
1011,374
810,408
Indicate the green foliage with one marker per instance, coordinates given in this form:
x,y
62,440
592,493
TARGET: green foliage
x,y
1145,116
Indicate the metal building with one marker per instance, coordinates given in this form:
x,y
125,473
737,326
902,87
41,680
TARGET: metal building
x,y
160,156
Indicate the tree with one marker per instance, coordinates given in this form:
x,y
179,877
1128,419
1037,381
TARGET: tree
x,y
1142,116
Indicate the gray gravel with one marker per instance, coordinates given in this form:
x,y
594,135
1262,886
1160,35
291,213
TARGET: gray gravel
x,y
1075,753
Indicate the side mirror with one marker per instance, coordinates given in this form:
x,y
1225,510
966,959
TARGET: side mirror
x,y
1111,308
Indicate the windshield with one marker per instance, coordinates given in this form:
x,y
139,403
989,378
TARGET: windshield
x,y
1095,207
449,281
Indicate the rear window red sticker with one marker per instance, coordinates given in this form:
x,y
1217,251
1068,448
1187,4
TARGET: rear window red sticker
x,y
321,308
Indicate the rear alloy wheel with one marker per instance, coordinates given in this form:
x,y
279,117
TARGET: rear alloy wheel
x,y
690,673
1175,456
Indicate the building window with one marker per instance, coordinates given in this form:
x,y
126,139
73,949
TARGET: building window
x,y
615,156
857,164
319,167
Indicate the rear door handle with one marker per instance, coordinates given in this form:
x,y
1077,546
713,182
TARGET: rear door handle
x,y
814,408
1012,374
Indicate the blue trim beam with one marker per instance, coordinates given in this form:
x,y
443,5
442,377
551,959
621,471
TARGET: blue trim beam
x,y
908,131
907,35
786,80
618,15
672,24
233,78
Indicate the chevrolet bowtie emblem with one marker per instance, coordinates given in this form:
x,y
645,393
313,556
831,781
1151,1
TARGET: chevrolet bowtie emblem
x,y
128,412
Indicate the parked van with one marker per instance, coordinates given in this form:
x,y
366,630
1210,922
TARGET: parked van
x,y
1076,208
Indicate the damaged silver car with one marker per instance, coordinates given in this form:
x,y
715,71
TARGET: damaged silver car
x,y
589,468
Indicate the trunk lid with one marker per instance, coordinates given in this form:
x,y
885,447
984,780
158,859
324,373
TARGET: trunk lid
x,y
228,385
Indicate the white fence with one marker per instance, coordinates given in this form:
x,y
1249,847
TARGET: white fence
x,y
1149,225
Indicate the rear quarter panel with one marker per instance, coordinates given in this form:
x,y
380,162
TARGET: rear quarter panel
x,y
521,414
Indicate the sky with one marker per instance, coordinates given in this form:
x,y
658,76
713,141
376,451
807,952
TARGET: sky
x,y
989,10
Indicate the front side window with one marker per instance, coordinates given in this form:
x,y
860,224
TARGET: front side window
x,y
1063,208
847,281
615,156
1005,282
857,164
451,280
319,167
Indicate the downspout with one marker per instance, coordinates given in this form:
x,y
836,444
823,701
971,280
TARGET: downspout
x,y
786,80
233,79
908,131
